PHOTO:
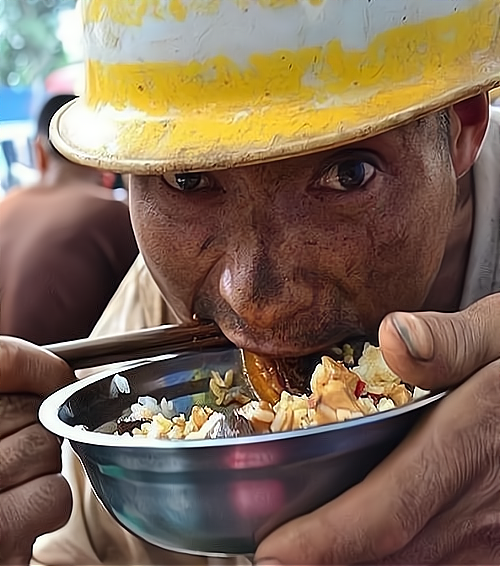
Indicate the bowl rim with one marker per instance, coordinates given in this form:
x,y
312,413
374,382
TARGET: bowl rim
x,y
48,415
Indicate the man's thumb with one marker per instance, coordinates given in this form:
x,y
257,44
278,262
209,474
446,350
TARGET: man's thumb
x,y
438,350
26,368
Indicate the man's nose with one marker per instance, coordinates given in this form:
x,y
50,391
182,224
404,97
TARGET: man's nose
x,y
262,295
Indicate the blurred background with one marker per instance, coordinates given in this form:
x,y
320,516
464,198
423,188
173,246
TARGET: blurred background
x,y
40,55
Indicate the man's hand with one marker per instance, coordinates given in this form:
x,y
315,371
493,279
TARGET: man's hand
x,y
34,498
436,498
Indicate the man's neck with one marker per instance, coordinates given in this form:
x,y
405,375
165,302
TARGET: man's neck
x,y
446,292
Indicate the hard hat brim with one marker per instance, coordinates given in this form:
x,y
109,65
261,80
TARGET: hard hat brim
x,y
207,141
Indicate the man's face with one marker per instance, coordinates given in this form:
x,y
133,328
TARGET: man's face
x,y
293,256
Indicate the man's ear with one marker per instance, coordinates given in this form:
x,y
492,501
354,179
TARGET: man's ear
x,y
468,123
41,155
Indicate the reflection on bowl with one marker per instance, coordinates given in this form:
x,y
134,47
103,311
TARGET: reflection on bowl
x,y
218,496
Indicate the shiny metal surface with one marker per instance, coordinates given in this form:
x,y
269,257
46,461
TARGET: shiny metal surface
x,y
213,497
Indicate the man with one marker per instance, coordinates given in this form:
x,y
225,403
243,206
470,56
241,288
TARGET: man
x,y
337,191
65,246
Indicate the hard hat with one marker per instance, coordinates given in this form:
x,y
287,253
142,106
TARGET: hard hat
x,y
183,85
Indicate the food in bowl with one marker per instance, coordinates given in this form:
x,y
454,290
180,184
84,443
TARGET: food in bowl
x,y
337,393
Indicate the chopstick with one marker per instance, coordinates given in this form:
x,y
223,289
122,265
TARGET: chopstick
x,y
136,345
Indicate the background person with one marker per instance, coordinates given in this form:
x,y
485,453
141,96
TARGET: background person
x,y
65,244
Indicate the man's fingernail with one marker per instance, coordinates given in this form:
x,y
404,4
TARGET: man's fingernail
x,y
415,334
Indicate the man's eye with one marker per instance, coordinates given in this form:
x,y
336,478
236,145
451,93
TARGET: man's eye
x,y
348,175
188,182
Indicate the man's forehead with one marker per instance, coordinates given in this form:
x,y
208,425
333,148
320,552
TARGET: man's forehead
x,y
388,142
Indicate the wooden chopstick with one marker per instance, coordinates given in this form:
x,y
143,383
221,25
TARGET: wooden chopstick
x,y
150,342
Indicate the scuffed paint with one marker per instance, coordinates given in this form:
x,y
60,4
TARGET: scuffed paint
x,y
402,54
237,33
126,12
277,3
178,10
132,12
216,112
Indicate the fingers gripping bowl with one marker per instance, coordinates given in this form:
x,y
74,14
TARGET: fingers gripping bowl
x,y
213,496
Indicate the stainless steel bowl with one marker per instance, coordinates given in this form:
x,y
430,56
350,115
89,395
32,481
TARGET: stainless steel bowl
x,y
213,497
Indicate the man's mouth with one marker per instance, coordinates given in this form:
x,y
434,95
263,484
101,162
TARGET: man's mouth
x,y
305,333
291,343
285,357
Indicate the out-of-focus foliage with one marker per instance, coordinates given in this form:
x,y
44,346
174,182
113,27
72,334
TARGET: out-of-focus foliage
x,y
29,46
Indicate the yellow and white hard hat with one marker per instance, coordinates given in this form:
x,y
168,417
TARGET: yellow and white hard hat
x,y
183,85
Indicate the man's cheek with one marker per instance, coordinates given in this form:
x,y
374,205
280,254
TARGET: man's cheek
x,y
162,234
173,255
